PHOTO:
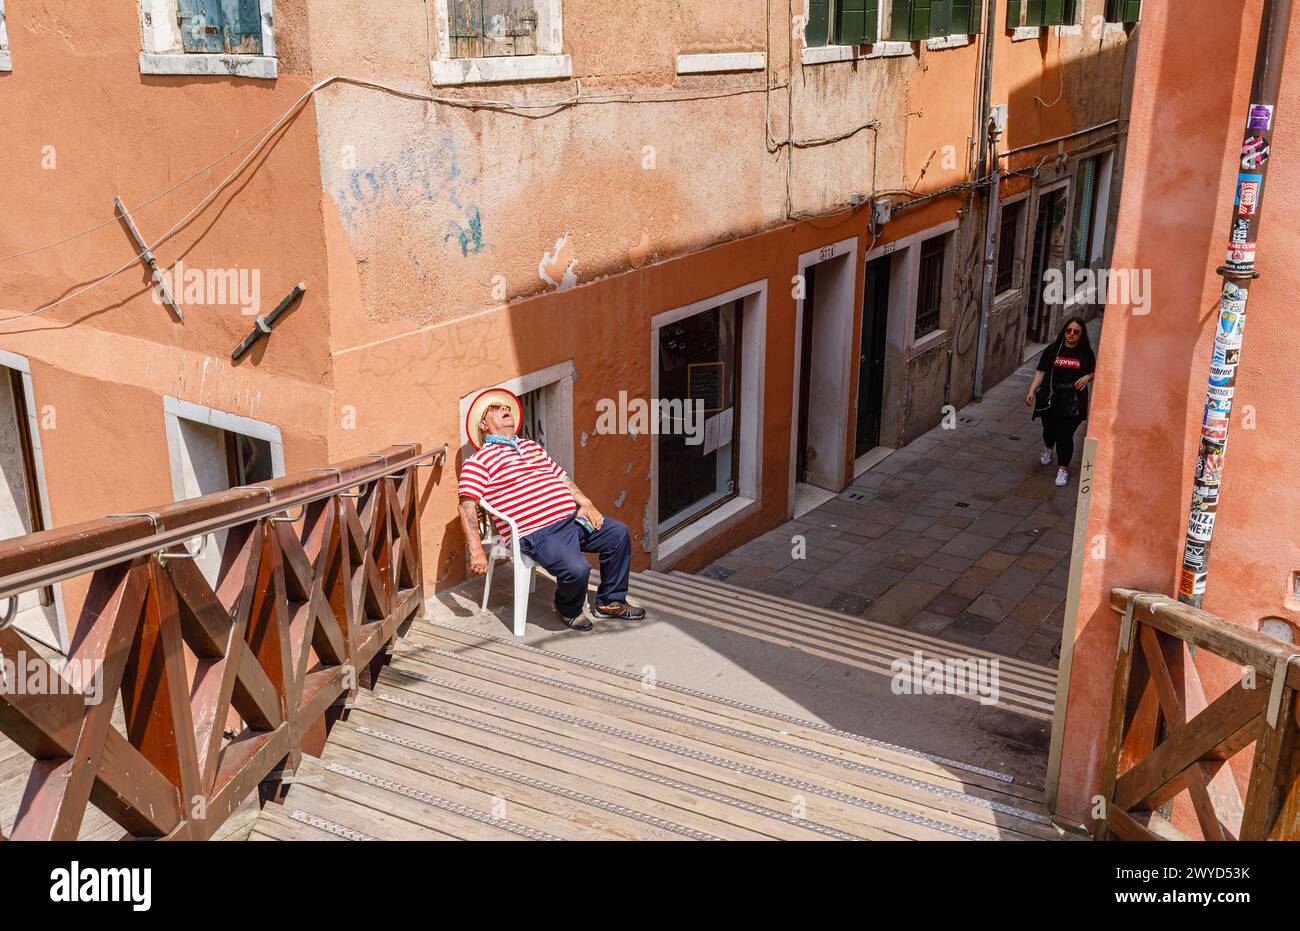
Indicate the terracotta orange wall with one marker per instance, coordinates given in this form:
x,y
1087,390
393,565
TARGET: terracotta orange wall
x,y
102,361
604,327
1192,89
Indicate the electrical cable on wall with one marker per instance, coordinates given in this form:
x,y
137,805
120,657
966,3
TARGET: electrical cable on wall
x,y
268,131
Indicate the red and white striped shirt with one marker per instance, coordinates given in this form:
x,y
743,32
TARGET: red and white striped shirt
x,y
529,489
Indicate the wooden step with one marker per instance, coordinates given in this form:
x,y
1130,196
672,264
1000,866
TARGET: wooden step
x,y
471,736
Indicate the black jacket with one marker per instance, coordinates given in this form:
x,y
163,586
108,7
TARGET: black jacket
x,y
1050,402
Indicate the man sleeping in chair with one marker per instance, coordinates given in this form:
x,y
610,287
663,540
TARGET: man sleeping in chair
x,y
557,522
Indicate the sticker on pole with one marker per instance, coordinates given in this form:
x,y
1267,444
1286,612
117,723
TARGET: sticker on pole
x,y
1191,583
1261,117
1242,258
1201,526
1248,194
1254,152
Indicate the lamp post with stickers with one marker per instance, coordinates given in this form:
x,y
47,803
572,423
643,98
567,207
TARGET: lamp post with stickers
x,y
1238,273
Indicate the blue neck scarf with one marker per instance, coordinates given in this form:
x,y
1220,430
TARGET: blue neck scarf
x,y
512,442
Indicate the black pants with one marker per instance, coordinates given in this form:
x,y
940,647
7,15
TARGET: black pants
x,y
1059,432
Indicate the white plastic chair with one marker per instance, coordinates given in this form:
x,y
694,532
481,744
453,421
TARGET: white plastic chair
x,y
495,547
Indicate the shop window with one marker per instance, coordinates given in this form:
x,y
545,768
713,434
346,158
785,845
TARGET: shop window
x,y
698,372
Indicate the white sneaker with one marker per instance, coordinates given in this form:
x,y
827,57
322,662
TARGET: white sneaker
x,y
1062,477
1045,457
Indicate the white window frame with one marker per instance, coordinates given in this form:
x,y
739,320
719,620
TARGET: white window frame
x,y
163,52
752,352
954,40
6,60
548,63
175,410
19,363
561,376
904,281
884,48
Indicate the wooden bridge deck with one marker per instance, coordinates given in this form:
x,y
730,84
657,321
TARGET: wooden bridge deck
x,y
472,736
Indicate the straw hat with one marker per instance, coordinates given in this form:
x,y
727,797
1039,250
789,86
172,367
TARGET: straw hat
x,y
480,405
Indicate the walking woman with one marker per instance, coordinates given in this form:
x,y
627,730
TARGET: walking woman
x,y
1059,394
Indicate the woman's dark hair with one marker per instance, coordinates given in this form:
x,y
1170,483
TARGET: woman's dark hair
x,y
1083,340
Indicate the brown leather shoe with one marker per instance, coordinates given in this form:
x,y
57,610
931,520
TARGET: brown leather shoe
x,y
621,610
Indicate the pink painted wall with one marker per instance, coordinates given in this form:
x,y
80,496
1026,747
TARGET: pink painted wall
x,y
1192,89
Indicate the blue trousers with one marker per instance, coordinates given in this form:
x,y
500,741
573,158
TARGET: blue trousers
x,y
558,548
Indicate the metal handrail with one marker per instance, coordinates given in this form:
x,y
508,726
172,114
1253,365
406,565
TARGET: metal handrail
x,y
50,573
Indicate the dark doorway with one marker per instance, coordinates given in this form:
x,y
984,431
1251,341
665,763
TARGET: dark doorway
x,y
871,355
805,373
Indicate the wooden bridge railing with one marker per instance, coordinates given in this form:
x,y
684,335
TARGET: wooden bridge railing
x,y
1164,738
317,571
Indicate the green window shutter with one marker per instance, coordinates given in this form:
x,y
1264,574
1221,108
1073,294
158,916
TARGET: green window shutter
x,y
1083,220
940,18
900,20
1053,13
1131,12
920,19
851,23
817,32
967,17
1035,12
873,22
1013,14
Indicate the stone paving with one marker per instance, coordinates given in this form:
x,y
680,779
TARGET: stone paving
x,y
962,534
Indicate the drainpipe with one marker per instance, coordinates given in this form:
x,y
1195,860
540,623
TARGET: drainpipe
x,y
1238,273
988,166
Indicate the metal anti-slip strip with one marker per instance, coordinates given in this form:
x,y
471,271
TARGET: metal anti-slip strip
x,y
434,801
733,732
739,706
325,824
570,794
616,766
678,749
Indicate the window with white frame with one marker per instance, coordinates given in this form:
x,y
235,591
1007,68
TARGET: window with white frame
x,y
487,41
6,63
930,286
842,22
220,37
706,382
1011,224
212,450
